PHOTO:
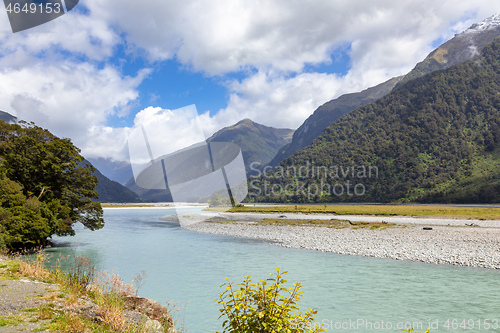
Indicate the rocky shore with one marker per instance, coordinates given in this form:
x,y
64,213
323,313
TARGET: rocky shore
x,y
30,305
474,243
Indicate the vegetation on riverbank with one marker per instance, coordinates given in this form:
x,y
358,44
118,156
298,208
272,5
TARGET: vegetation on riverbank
x,y
332,223
82,300
481,213
335,224
43,190
267,307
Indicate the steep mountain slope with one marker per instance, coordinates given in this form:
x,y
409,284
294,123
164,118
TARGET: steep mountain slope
x,y
258,145
457,50
435,139
328,113
119,171
111,191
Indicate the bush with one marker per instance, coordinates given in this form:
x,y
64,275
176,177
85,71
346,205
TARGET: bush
x,y
265,307
218,201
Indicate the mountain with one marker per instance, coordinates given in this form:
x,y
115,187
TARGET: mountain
x,y
434,139
7,117
457,50
119,171
111,191
460,48
258,144
327,114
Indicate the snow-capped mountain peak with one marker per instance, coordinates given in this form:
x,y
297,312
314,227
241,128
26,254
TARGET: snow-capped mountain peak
x,y
488,23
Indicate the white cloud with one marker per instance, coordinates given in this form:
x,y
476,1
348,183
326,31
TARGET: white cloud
x,y
277,100
217,37
73,101
57,74
278,38
74,33
169,130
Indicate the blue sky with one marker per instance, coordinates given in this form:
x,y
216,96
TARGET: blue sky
x,y
90,74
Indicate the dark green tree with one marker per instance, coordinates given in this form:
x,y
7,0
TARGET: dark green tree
x,y
43,169
24,222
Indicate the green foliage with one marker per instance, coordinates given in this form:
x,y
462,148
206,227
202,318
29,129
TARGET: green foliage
x,y
42,189
434,139
265,307
23,221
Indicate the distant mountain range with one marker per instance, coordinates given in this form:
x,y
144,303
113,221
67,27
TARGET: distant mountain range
x,y
111,191
108,190
429,143
457,50
119,171
434,139
258,144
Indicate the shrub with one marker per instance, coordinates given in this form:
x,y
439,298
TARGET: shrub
x,y
265,307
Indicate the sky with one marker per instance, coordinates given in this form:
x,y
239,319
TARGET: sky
x,y
107,65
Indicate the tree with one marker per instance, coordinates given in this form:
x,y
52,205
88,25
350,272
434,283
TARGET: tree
x,y
218,201
22,220
45,169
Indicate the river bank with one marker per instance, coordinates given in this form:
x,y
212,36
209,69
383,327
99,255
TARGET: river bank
x,y
33,299
464,242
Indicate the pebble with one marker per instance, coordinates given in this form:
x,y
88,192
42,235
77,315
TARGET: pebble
x,y
455,245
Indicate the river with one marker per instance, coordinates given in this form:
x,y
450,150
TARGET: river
x,y
351,294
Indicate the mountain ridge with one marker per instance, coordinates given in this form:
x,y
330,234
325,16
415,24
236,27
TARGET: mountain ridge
x,y
435,139
458,49
327,113
7,117
258,144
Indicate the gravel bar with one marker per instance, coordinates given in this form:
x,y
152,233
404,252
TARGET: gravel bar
x,y
474,243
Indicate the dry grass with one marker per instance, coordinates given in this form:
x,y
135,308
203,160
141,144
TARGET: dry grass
x,y
34,267
381,210
336,224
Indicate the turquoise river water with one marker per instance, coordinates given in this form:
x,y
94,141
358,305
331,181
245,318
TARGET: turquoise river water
x,y
351,294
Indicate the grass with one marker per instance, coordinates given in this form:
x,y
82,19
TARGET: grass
x,y
219,209
381,210
336,224
107,291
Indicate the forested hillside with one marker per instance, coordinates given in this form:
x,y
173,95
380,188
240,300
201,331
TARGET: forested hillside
x,y
435,139
460,48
